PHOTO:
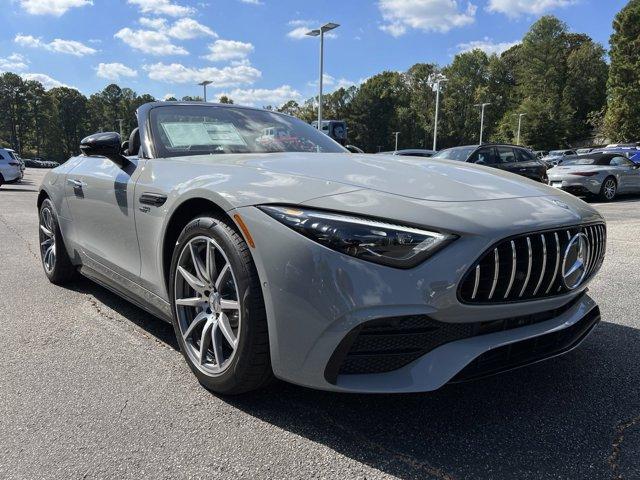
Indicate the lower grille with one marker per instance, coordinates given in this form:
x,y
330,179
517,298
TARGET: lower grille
x,y
529,351
531,266
387,344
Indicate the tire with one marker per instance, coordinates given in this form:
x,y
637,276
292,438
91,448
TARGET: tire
x,y
55,260
226,304
608,190
1,180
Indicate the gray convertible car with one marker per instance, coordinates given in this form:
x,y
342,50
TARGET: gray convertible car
x,y
275,252
602,174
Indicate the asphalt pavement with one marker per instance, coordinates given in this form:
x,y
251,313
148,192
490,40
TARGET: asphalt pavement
x,y
93,387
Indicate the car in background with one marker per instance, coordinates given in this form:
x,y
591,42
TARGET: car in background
x,y
557,156
336,129
10,167
627,151
582,151
40,163
510,158
541,153
411,152
597,173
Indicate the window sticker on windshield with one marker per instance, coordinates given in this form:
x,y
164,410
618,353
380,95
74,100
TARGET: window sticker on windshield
x,y
224,134
186,134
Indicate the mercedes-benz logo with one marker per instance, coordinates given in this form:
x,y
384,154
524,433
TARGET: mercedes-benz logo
x,y
574,266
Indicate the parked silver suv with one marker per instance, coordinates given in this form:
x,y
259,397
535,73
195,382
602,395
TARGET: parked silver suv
x,y
10,167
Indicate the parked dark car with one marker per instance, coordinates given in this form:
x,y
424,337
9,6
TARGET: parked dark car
x,y
412,152
511,158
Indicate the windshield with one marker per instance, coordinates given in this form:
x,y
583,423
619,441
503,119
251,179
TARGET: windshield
x,y
556,153
457,153
180,130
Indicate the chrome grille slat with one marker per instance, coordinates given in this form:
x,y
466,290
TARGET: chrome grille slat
x,y
522,268
544,264
513,268
496,270
529,264
477,283
555,270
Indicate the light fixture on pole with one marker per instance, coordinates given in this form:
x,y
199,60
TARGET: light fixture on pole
x,y
435,79
482,106
319,32
396,134
204,84
519,115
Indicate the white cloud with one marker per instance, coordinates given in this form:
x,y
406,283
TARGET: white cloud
x,y
225,50
221,77
14,63
114,71
162,7
46,81
332,82
188,28
252,2
182,29
516,8
486,45
70,47
263,96
152,42
52,7
167,96
426,15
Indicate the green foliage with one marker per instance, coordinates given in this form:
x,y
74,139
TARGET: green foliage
x,y
622,118
51,123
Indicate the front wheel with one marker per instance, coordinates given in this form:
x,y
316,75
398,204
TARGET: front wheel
x,y
55,260
218,309
609,189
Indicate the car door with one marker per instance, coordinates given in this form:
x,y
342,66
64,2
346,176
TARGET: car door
x,y
506,160
529,165
100,197
484,156
628,173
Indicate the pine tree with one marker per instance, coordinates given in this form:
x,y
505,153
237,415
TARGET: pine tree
x,y
623,120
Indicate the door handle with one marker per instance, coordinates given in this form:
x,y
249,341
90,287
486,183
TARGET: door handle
x,y
75,183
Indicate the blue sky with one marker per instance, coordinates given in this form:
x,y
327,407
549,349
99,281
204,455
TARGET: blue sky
x,y
254,50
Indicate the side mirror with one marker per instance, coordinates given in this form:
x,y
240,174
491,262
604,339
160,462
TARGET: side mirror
x,y
354,149
105,144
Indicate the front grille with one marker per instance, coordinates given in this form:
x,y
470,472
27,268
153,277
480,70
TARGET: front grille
x,y
387,344
529,266
529,351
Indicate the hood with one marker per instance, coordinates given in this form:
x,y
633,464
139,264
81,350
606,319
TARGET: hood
x,y
564,169
419,178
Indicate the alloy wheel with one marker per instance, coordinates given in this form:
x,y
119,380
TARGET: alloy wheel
x,y
610,189
47,240
207,305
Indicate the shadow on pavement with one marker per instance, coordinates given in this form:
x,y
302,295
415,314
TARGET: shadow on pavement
x,y
558,419
576,416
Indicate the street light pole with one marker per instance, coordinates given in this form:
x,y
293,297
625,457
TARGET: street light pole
x,y
519,115
435,80
204,84
483,106
396,134
319,32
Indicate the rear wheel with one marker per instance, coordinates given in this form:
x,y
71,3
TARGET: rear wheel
x,y
55,260
609,189
218,310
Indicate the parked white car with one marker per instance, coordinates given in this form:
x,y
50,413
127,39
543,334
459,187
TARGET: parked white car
x,y
10,167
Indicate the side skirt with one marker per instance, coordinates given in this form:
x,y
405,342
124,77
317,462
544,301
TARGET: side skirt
x,y
128,290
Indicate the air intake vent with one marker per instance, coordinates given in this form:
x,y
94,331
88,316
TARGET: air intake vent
x,y
536,265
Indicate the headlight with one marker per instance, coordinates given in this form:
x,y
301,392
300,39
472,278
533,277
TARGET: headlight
x,y
372,240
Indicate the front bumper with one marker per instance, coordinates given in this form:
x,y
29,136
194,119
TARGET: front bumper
x,y
315,298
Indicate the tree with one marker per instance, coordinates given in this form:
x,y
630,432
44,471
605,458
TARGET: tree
x,y
622,119
225,99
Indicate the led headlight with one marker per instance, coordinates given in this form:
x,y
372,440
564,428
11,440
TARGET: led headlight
x,y
372,240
